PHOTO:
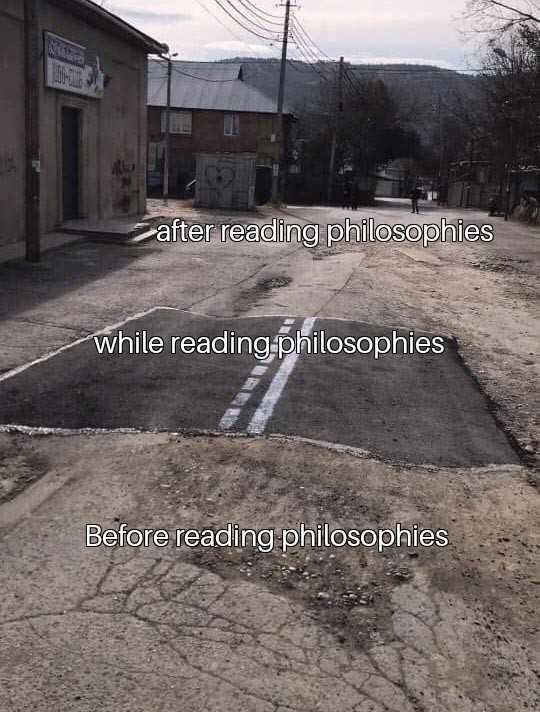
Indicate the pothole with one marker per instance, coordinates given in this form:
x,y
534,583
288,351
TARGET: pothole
x,y
274,282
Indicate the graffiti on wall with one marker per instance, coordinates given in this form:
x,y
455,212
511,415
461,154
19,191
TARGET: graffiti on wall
x,y
7,164
219,178
122,170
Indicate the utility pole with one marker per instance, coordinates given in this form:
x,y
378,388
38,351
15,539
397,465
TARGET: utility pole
x,y
512,142
337,123
280,134
167,133
33,166
441,150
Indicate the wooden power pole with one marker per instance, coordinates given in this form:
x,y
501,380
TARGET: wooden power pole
x,y
336,124
280,133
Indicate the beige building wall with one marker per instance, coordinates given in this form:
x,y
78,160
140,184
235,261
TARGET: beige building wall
x,y
112,142
12,133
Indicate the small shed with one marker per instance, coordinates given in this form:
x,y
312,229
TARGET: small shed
x,y
226,181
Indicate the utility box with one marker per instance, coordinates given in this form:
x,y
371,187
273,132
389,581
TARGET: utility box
x,y
226,181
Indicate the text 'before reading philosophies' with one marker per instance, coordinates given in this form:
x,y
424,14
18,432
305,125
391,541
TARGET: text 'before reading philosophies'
x,y
309,235
261,347
266,540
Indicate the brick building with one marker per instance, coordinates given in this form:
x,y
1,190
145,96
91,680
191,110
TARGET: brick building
x,y
213,111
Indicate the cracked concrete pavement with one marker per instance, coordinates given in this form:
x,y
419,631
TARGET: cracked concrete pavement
x,y
208,630
412,630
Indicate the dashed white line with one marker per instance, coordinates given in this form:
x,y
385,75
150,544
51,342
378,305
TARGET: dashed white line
x,y
230,418
242,397
250,384
266,408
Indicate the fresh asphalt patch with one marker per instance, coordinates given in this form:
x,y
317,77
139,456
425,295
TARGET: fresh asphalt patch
x,y
417,409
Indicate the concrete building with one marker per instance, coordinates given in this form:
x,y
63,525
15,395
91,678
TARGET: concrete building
x,y
472,184
73,83
213,111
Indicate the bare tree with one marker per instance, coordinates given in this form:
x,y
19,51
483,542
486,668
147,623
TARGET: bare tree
x,y
496,17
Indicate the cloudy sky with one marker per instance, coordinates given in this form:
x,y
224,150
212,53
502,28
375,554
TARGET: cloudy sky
x,y
423,31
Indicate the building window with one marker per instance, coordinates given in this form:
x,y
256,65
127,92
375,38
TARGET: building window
x,y
180,122
231,124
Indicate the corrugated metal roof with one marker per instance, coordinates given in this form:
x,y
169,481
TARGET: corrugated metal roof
x,y
215,86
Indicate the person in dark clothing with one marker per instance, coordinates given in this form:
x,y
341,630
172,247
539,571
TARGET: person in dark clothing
x,y
346,195
416,194
493,205
355,196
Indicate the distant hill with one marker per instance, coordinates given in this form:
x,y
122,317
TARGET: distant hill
x,y
416,87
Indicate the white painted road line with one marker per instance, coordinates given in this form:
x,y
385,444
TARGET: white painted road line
x,y
250,384
102,332
230,418
259,370
266,408
243,396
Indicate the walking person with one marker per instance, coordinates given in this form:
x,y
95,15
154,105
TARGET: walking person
x,y
355,196
346,195
416,194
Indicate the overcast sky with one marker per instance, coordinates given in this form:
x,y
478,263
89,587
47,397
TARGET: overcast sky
x,y
423,31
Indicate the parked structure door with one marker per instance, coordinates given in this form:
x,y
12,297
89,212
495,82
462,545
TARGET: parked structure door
x,y
70,163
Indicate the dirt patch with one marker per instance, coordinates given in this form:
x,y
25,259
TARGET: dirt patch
x,y
19,467
274,282
511,265
348,590
251,296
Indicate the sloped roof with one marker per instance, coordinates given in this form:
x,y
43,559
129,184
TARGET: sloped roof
x,y
98,16
216,86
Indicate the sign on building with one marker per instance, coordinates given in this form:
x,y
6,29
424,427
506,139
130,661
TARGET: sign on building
x,y
72,67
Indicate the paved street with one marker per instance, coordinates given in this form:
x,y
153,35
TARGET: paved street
x,y
437,441
415,409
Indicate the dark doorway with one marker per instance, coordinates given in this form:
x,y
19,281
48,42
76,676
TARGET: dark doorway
x,y
70,163
263,185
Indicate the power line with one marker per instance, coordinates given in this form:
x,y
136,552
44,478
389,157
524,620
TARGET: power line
x,y
203,79
249,47
307,53
302,30
241,24
301,45
264,28
254,11
311,63
177,70
260,9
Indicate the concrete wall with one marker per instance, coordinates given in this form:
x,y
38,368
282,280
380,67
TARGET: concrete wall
x,y
463,194
12,133
113,141
113,129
